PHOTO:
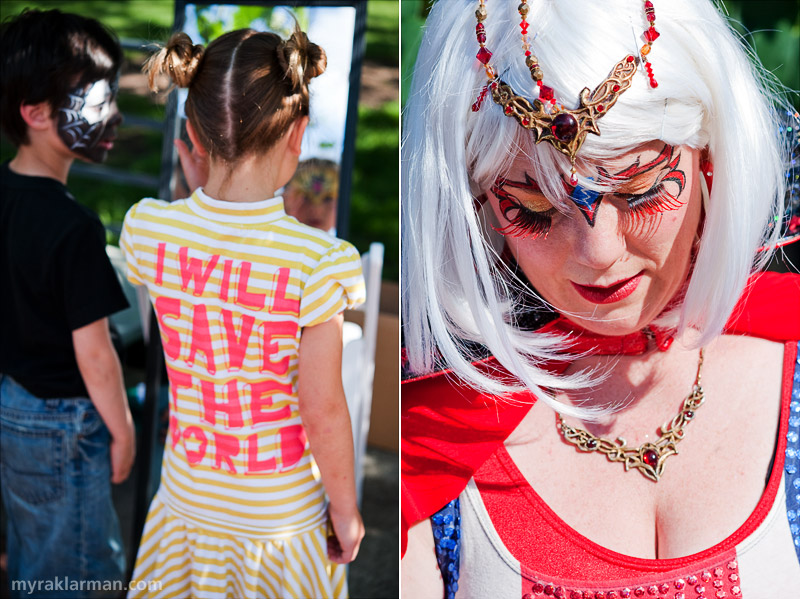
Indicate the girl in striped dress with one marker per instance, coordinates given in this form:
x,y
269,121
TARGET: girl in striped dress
x,y
249,305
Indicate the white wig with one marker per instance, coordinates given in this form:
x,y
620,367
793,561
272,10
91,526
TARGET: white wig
x,y
711,95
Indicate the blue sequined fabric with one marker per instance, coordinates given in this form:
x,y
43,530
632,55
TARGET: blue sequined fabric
x,y
792,464
446,524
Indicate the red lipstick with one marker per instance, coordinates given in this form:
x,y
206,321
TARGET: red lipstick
x,y
610,294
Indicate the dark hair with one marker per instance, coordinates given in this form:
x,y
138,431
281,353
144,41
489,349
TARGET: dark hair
x,y
44,55
245,89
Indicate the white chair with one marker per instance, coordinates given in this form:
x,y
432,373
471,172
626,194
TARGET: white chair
x,y
358,359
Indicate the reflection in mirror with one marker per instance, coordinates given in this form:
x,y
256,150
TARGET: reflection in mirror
x,y
311,195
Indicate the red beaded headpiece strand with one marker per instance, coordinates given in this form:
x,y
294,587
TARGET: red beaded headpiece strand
x,y
565,129
650,35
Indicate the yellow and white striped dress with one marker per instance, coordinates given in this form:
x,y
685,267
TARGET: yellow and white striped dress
x,y
240,511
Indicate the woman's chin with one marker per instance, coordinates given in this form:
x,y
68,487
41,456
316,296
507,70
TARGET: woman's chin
x,y
613,323
614,318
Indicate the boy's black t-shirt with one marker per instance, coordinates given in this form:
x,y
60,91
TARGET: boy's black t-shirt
x,y
56,278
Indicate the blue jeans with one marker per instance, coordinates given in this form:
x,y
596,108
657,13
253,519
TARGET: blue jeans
x,y
55,471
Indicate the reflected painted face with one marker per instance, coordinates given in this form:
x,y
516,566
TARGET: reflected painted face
x,y
87,122
312,193
614,260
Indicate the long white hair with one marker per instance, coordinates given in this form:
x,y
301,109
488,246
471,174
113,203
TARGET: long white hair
x,y
711,95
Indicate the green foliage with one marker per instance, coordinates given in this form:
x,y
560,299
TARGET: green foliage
x,y
412,18
772,28
374,199
140,19
211,24
209,29
140,106
382,31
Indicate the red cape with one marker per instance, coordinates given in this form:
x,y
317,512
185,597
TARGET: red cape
x,y
448,429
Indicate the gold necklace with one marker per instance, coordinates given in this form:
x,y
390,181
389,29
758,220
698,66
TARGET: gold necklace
x,y
648,458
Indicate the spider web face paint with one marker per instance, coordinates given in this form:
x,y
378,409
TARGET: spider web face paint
x,y
87,122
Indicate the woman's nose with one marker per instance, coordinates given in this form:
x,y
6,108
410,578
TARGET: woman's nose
x,y
599,240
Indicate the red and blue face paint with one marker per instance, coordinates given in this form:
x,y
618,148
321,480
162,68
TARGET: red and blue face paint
x,y
653,201
587,201
528,212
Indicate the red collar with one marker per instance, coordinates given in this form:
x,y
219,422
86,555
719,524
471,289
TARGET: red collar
x,y
583,341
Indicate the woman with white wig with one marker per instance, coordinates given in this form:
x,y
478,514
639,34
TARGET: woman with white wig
x,y
603,386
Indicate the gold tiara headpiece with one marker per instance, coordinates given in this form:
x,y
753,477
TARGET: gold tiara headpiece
x,y
564,128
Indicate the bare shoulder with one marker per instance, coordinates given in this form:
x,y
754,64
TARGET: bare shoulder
x,y
749,351
748,373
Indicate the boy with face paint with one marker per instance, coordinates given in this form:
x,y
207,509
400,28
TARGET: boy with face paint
x,y
67,432
88,122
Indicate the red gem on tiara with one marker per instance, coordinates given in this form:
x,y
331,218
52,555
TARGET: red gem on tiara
x,y
630,59
509,110
546,93
484,55
564,127
651,35
600,108
525,122
615,88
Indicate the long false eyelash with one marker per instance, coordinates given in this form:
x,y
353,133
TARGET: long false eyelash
x,y
653,201
525,223
657,199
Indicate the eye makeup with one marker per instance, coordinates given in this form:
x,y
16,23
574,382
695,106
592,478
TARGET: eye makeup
x,y
529,214
657,199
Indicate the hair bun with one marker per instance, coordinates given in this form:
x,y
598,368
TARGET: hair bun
x,y
301,59
183,59
180,59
